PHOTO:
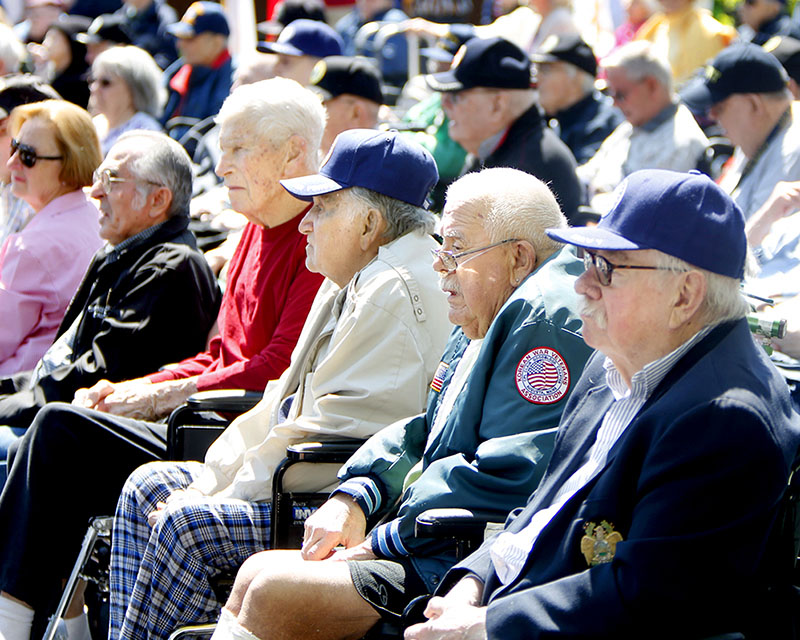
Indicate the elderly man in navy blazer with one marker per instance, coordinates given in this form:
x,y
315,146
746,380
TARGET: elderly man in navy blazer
x,y
672,454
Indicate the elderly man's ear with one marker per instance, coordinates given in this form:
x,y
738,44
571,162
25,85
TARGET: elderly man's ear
x,y
162,201
523,260
688,300
296,158
373,227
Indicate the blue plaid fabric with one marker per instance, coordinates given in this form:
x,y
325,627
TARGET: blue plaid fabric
x,y
160,576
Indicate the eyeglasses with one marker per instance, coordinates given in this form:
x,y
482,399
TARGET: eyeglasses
x,y
605,269
450,259
28,155
107,180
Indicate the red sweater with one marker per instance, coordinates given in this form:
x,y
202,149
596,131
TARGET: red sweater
x,y
269,294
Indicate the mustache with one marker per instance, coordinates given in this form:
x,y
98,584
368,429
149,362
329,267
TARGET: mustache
x,y
591,309
450,282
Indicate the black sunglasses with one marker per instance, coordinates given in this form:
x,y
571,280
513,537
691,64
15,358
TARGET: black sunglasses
x,y
28,155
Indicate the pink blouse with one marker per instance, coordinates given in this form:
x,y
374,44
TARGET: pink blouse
x,y
40,270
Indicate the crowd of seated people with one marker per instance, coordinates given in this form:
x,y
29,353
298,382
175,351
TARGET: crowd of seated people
x,y
546,369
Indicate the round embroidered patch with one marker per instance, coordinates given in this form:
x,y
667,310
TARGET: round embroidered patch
x,y
542,376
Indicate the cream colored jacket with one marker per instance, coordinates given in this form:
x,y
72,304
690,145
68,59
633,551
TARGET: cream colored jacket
x,y
364,359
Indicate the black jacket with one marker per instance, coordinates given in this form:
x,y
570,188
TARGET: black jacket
x,y
532,147
137,309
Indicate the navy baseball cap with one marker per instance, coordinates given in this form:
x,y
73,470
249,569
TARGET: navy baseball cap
x,y
685,215
336,75
568,47
741,68
381,161
484,62
201,17
306,38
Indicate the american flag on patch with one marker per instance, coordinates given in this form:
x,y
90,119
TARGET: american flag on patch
x,y
438,377
542,374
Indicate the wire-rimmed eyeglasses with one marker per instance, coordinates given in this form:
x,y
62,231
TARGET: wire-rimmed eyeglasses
x,y
107,179
450,260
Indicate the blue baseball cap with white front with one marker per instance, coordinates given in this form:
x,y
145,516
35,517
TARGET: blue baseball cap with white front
x,y
381,161
685,215
306,38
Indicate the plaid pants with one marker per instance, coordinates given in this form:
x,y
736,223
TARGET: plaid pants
x,y
160,576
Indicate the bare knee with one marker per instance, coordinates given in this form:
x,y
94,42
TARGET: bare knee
x,y
253,567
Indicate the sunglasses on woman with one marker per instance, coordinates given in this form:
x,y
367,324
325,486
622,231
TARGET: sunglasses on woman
x,y
28,155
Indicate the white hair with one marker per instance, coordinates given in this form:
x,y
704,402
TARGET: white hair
x,y
12,51
724,300
140,73
275,110
640,60
513,204
587,79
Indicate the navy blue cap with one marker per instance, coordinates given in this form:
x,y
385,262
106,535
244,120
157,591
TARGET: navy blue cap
x,y
382,161
306,38
685,215
568,47
485,62
337,75
741,68
201,17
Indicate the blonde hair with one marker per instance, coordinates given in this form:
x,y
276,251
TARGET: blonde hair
x,y
75,135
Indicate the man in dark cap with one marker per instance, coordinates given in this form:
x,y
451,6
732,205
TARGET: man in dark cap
x,y
300,46
745,89
493,114
764,19
673,452
350,89
787,50
200,80
106,31
565,73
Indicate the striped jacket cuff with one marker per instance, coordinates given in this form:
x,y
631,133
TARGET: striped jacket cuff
x,y
386,542
364,491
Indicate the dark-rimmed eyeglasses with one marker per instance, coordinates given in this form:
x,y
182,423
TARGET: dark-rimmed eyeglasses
x,y
28,155
107,179
604,269
450,260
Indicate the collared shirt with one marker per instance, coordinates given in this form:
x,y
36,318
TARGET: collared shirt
x,y
510,550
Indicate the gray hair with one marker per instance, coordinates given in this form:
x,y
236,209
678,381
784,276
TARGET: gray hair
x,y
12,51
513,204
275,110
639,60
401,217
164,162
724,300
137,69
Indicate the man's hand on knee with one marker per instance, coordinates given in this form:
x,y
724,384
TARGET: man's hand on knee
x,y
340,521
175,496
456,615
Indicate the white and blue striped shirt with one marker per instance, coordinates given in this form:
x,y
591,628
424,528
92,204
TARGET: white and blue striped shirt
x,y
510,550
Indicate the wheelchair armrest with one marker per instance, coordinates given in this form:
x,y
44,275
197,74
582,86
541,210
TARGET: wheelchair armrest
x,y
452,523
338,451
224,400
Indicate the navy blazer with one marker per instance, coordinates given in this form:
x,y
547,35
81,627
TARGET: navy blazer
x,y
692,486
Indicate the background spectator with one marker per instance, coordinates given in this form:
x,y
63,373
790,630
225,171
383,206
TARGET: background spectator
x,y
126,93
300,46
65,59
147,22
106,31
